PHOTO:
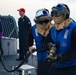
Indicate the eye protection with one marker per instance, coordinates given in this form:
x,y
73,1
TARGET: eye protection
x,y
42,21
56,13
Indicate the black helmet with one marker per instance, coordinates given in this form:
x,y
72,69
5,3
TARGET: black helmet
x,y
63,9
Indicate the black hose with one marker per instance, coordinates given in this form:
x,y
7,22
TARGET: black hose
x,y
17,66
39,50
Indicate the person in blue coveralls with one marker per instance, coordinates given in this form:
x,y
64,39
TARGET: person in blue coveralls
x,y
63,35
40,32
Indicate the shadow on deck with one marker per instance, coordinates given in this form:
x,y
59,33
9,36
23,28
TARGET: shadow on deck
x,y
9,61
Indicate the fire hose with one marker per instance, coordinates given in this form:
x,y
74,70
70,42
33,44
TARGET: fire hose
x,y
16,68
20,63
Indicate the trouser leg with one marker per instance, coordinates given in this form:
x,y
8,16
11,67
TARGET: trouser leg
x,y
23,45
62,71
1,49
42,68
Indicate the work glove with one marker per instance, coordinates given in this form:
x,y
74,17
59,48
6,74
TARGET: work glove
x,y
31,49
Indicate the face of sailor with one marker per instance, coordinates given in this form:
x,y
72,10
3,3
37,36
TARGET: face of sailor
x,y
21,13
58,19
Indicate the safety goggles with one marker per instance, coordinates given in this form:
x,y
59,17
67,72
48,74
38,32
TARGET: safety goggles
x,y
56,13
42,21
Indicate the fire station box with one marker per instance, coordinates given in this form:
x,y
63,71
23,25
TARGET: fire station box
x,y
9,46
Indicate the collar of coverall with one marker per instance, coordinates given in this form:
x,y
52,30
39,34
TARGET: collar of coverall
x,y
44,29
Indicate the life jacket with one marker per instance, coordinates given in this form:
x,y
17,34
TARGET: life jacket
x,y
64,39
39,44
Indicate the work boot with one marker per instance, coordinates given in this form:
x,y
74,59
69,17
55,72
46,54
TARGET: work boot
x,y
19,59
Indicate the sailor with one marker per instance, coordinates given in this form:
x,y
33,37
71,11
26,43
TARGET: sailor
x,y
63,35
1,34
24,26
40,33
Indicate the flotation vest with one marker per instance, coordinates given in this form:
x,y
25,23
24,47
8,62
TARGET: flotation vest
x,y
39,44
64,39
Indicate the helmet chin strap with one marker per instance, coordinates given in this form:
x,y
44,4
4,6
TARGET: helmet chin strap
x,y
44,30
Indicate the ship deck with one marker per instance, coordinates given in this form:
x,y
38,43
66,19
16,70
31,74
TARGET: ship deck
x,y
9,62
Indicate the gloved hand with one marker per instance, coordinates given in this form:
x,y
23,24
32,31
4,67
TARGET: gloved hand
x,y
31,49
59,58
